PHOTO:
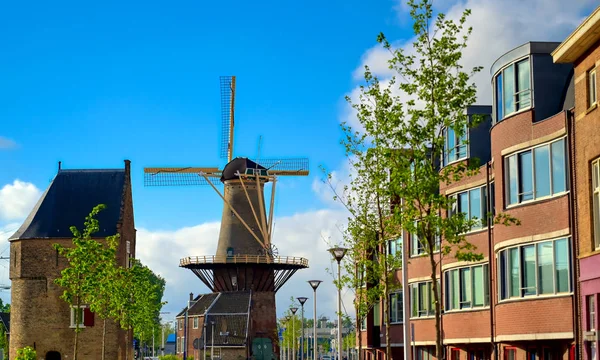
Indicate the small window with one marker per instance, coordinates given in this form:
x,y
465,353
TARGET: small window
x,y
395,247
591,312
417,247
510,353
396,308
455,145
455,354
422,299
229,252
592,97
77,316
195,322
180,324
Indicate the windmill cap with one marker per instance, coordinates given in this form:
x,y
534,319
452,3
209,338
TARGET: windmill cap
x,y
239,165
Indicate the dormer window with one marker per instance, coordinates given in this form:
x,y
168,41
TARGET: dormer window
x,y
513,89
455,145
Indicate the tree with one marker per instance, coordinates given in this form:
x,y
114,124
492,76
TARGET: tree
x,y
26,353
407,128
79,278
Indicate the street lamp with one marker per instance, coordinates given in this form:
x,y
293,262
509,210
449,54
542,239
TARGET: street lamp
x,y
338,253
286,344
302,300
212,340
293,310
315,284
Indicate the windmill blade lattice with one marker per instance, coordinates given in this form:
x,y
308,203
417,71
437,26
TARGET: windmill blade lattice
x,y
289,166
181,176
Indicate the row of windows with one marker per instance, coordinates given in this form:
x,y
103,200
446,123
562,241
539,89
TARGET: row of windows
x,y
474,204
513,89
467,287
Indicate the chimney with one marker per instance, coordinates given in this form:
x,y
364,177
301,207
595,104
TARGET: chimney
x,y
191,296
127,167
59,165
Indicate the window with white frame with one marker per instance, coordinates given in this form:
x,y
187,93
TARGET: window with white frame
x,y
180,324
473,203
467,287
396,308
455,145
513,89
77,315
596,201
592,95
422,299
540,268
177,346
395,247
591,312
363,324
536,173
195,325
417,246
182,343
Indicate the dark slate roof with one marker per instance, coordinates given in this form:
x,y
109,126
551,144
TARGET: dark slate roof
x,y
202,303
233,302
238,164
5,319
70,198
230,330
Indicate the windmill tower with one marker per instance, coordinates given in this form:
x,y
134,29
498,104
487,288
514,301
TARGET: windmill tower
x,y
246,258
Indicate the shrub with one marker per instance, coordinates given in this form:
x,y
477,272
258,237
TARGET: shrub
x,y
26,353
168,357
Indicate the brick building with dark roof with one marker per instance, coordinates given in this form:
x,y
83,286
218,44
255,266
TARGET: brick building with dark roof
x,y
218,324
40,318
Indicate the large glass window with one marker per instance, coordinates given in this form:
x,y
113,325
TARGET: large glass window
x,y
467,287
596,201
473,203
455,145
592,97
395,247
513,89
418,246
536,173
396,308
535,269
422,299
376,314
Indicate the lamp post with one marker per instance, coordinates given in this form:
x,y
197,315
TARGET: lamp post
x,y
315,284
286,344
338,253
302,300
293,310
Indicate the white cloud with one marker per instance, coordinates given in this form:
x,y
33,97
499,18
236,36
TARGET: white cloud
x,y
303,235
498,27
6,143
17,200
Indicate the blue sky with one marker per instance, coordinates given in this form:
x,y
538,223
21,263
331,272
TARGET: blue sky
x,y
92,84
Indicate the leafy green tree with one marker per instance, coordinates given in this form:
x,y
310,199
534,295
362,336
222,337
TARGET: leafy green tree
x,y
78,278
406,127
26,353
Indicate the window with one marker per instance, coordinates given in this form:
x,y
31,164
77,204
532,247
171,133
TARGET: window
x,y
478,354
376,314
536,173
396,308
596,202
473,203
592,97
424,353
417,247
195,322
532,354
422,299
77,315
541,268
395,247
177,346
592,350
455,145
510,353
513,89
454,354
591,312
467,287
180,324
182,343
363,324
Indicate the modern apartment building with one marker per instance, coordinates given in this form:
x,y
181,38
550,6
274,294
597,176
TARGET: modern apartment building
x,y
582,50
519,302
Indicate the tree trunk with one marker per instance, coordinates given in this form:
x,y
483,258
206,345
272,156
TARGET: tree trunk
x,y
103,337
386,322
76,329
436,299
360,354
127,342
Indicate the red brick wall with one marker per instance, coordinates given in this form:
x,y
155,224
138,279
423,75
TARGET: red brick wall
x,y
533,316
467,324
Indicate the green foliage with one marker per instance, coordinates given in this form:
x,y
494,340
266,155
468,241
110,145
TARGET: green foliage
x,y
168,357
26,353
403,120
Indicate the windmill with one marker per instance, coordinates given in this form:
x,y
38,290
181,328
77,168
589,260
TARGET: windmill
x,y
246,228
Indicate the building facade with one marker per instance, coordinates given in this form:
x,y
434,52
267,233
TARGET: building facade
x,y
520,300
582,49
35,264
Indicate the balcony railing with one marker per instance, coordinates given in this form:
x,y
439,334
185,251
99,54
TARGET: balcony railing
x,y
243,259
